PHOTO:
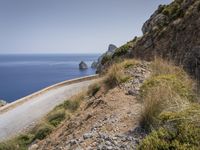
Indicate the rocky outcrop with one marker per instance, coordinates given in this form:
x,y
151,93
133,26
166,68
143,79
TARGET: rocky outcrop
x,y
172,33
108,53
157,19
178,39
94,64
111,49
2,103
83,65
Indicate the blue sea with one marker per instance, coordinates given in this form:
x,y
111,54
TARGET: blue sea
x,y
21,75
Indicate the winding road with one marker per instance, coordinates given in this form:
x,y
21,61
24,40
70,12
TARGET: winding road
x,y
27,111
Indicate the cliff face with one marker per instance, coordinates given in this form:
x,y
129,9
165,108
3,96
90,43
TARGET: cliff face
x,y
173,32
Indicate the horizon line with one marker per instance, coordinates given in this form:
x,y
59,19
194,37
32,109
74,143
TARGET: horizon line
x,y
45,53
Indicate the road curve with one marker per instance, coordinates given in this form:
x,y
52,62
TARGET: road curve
x,y
19,118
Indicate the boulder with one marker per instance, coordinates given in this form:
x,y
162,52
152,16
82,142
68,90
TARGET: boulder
x,y
83,65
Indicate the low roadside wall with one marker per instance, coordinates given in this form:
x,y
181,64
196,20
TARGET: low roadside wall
x,y
29,97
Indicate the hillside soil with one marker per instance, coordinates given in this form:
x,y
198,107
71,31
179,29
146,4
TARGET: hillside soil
x,y
109,121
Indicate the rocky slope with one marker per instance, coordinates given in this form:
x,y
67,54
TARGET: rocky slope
x,y
173,33
103,122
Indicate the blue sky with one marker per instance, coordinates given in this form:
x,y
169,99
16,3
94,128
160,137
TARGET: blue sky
x,y
71,26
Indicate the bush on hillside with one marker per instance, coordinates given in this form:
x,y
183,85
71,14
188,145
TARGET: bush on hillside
x,y
56,117
8,146
160,93
123,50
177,86
115,76
74,103
179,130
71,105
93,89
173,11
43,131
106,59
127,63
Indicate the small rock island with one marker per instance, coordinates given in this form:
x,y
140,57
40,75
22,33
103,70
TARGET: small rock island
x,y
83,65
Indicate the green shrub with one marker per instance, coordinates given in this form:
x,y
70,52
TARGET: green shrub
x,y
177,85
179,130
43,131
173,11
179,1
121,51
71,105
56,117
93,89
161,8
8,146
106,59
129,63
25,139
115,76
21,142
163,92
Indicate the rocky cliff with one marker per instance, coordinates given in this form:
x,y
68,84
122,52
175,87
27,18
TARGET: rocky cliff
x,y
173,33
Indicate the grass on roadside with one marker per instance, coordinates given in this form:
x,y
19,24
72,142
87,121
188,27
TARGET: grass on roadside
x,y
43,129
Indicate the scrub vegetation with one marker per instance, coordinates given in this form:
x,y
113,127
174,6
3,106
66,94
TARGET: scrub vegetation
x,y
170,109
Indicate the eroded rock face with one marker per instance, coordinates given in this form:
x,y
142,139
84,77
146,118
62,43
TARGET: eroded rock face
x,y
111,48
157,19
178,40
83,65
109,52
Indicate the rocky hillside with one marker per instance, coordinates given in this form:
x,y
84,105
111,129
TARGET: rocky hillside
x,y
173,33
135,105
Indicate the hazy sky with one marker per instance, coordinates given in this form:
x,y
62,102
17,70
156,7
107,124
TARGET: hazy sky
x,y
70,26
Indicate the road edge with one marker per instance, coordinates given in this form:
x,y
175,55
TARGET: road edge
x,y
57,85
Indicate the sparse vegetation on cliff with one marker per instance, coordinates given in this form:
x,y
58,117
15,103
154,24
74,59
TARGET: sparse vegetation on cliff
x,y
170,109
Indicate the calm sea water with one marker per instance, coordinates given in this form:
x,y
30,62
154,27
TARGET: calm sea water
x,y
21,75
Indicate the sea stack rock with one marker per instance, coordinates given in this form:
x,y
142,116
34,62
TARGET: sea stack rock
x,y
83,65
2,103
94,64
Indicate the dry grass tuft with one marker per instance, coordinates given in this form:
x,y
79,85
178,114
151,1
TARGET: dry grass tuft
x,y
162,67
127,63
169,88
74,103
93,89
115,76
158,99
